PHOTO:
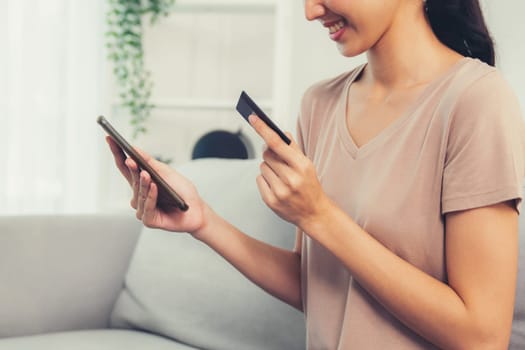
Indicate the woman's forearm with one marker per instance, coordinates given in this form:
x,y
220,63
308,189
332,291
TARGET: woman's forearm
x,y
276,270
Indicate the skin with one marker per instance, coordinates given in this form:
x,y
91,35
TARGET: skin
x,y
472,311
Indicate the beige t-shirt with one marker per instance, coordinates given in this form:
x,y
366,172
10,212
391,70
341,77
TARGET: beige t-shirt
x,y
459,146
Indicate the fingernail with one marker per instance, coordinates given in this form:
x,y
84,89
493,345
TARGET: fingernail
x,y
252,118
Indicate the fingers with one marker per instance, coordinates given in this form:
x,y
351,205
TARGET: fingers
x,y
265,191
144,185
274,142
130,169
272,139
276,163
134,181
145,192
149,208
120,158
274,182
293,144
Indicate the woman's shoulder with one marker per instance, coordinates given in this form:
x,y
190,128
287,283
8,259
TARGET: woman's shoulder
x,y
482,99
330,87
477,86
480,80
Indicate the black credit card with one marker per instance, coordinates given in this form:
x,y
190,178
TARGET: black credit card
x,y
246,106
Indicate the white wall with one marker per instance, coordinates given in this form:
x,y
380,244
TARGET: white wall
x,y
200,61
52,87
505,21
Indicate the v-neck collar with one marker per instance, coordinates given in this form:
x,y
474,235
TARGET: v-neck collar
x,y
342,126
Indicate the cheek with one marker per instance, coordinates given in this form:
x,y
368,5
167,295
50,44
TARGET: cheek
x,y
365,31
358,40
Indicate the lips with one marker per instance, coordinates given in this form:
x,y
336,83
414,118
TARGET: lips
x,y
336,28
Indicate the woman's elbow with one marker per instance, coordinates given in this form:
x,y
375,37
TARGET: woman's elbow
x,y
487,338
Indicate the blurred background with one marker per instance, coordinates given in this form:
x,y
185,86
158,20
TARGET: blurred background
x,y
174,69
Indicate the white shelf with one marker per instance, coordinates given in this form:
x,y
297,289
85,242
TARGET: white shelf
x,y
227,2
202,104
229,6
216,104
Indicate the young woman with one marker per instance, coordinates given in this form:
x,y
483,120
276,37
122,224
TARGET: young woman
x,y
404,184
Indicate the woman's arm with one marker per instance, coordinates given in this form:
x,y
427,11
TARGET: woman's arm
x,y
274,269
473,311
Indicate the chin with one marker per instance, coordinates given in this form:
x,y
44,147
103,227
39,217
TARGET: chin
x,y
350,51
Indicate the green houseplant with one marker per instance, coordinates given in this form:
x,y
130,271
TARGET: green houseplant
x,y
125,50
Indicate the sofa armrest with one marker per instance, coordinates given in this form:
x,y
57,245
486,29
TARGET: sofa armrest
x,y
62,273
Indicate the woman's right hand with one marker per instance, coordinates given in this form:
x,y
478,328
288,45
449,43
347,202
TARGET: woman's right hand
x,y
145,192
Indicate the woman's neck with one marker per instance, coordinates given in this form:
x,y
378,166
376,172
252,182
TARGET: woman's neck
x,y
408,54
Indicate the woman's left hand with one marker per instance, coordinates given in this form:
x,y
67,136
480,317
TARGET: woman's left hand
x,y
288,181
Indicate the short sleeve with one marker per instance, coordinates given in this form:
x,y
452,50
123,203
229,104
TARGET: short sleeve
x,y
300,135
484,162
303,120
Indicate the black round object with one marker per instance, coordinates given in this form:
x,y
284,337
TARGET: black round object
x,y
221,144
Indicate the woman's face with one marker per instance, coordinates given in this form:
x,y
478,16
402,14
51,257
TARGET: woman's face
x,y
355,25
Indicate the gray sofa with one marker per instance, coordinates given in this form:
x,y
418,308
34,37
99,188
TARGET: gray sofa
x,y
104,282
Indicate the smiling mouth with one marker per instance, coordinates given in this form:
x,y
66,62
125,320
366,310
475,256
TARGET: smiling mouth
x,y
337,26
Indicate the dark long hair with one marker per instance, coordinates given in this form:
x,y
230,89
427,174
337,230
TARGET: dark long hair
x,y
460,25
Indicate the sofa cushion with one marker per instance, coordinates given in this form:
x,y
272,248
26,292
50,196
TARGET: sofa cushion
x,y
50,280
180,288
92,340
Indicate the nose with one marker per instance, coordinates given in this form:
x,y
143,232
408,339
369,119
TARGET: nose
x,y
314,9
